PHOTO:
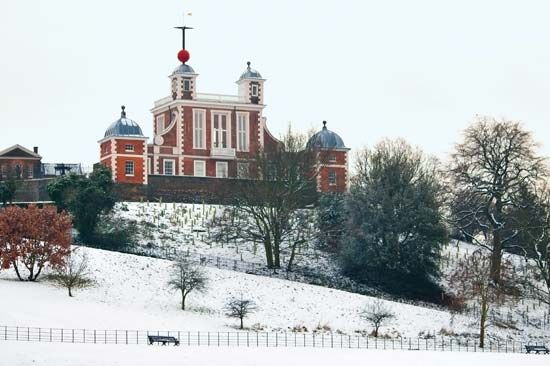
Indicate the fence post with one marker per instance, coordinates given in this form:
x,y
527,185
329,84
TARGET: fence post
x,y
95,339
5,332
248,339
126,337
28,334
16,333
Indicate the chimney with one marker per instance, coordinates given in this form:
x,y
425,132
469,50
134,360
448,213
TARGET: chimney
x,y
35,149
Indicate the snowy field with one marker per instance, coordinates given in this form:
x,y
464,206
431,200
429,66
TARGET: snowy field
x,y
131,293
56,354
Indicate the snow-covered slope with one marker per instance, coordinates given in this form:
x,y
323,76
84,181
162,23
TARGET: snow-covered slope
x,y
131,293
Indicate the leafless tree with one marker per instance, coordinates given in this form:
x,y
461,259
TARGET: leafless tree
x,y
187,276
74,273
534,220
268,207
240,308
488,170
377,314
472,280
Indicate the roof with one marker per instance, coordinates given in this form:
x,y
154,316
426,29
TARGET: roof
x,y
124,127
325,139
184,69
250,73
18,151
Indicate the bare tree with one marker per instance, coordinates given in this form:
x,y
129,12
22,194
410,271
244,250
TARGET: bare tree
x,y
187,276
266,208
74,273
534,220
377,314
240,308
487,173
472,279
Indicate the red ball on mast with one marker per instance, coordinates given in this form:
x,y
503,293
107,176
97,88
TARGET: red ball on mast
x,y
183,56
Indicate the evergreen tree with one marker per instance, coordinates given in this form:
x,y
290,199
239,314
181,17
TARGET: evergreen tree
x,y
331,220
84,197
396,227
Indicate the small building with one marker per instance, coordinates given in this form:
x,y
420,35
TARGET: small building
x,y
332,160
20,163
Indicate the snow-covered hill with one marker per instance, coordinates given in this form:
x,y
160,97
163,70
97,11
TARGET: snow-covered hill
x,y
131,293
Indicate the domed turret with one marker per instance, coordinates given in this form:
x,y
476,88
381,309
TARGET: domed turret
x,y
251,85
325,139
124,127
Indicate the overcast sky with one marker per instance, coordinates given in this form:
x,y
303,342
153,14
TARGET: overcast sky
x,y
417,69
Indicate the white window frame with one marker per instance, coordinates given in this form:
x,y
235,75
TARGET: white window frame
x,y
227,131
196,163
255,90
330,182
243,134
218,170
173,161
159,123
188,83
129,147
199,144
332,158
30,174
129,164
149,166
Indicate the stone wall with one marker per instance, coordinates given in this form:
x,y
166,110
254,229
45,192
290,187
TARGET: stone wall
x,y
166,188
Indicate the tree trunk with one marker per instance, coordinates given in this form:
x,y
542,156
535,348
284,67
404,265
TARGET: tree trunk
x,y
268,253
376,331
496,257
291,259
70,291
242,325
182,301
14,263
484,310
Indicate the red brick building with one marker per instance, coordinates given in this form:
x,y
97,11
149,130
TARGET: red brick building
x,y
208,135
20,163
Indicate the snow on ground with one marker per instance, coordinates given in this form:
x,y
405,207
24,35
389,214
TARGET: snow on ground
x,y
131,293
59,354
185,226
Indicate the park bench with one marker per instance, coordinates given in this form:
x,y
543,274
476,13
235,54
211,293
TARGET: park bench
x,y
536,349
163,339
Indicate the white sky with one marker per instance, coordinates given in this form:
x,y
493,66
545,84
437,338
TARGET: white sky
x,y
373,69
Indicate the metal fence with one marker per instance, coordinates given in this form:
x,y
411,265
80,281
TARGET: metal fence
x,y
257,339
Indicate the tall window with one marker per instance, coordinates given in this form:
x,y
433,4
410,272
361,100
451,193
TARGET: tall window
x,y
168,167
332,178
160,124
219,131
149,166
254,90
221,169
200,168
242,132
129,167
186,85
199,132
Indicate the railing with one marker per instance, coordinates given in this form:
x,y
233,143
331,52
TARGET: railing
x,y
258,339
163,101
223,152
220,98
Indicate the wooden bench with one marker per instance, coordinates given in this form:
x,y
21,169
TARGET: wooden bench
x,y
536,349
163,339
